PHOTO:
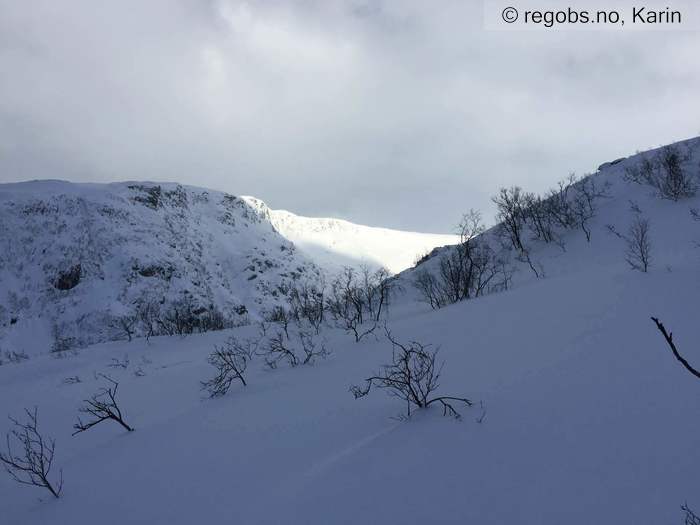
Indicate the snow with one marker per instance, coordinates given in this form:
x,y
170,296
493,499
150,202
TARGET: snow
x,y
142,241
588,417
334,242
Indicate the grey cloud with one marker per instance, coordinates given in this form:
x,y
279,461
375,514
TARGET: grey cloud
x,y
396,113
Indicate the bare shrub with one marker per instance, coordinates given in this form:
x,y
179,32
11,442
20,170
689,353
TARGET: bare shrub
x,y
540,214
62,342
413,376
510,204
179,318
514,212
356,302
427,285
465,271
638,239
148,313
230,361
31,464
307,303
185,316
102,406
690,517
302,348
665,171
420,258
116,363
376,287
311,348
584,205
278,349
280,316
13,356
125,326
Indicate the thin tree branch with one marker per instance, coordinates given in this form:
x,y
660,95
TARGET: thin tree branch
x,y
669,339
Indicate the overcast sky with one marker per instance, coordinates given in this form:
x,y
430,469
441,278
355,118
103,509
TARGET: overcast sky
x,y
398,113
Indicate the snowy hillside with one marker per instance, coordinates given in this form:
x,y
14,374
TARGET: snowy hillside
x,y
334,242
580,415
75,259
79,261
617,203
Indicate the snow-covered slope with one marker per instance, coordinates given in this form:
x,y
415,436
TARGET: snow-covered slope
x,y
334,242
74,258
582,415
673,231
588,419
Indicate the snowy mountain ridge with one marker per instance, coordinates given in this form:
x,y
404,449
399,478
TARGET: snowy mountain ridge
x,y
334,242
75,259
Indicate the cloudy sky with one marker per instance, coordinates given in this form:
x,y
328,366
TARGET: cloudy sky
x,y
401,113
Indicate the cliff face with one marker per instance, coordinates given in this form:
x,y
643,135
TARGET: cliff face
x,y
76,258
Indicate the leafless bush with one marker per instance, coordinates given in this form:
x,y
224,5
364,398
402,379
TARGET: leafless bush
x,y
13,357
572,204
263,326
230,361
558,203
63,342
514,213
311,348
510,204
307,303
302,348
413,376
126,325
356,302
427,285
665,171
102,406
185,316
179,318
148,313
278,349
31,465
281,316
690,517
116,363
540,213
377,288
584,205
638,238
420,258
467,270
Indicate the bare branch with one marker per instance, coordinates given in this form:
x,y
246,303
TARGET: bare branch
x,y
230,361
101,407
669,339
412,376
32,464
